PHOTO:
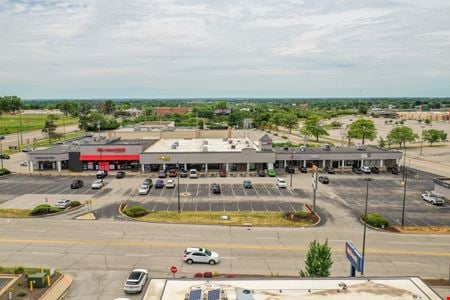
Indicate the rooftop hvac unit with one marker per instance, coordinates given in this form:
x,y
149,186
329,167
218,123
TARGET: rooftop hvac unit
x,y
244,294
233,146
285,148
173,146
205,148
205,142
230,142
177,143
360,147
302,148
327,147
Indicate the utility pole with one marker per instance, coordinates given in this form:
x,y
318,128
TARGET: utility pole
x,y
314,185
292,161
1,149
178,187
404,195
367,180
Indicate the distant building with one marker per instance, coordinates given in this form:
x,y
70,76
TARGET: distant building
x,y
423,115
163,111
222,111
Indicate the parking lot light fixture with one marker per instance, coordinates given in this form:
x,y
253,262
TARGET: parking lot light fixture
x,y
178,187
404,194
367,180
1,149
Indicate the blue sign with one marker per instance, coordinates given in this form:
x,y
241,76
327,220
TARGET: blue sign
x,y
354,257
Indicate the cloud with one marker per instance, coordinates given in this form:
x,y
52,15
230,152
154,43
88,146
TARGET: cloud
x,y
201,48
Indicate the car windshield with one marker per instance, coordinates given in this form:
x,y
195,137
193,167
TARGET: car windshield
x,y
144,186
281,180
208,252
134,275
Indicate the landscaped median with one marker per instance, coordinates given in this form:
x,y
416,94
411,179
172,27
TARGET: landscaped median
x,y
40,210
265,219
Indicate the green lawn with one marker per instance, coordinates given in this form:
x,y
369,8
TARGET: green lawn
x,y
9,123
14,213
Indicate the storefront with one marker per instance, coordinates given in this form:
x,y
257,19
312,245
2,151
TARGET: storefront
x,y
118,156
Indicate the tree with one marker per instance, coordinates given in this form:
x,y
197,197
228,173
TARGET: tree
x,y
277,119
381,142
400,135
427,121
362,109
290,121
312,127
433,135
50,126
221,105
318,260
362,129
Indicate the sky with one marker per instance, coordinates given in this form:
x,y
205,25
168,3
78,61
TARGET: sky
x,y
215,48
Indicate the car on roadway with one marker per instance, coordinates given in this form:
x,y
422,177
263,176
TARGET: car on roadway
x,y
4,156
375,170
162,174
289,169
223,173
184,174
159,184
261,173
366,170
303,170
200,255
120,174
148,181
324,179
173,173
170,184
144,189
271,173
101,174
193,173
136,281
330,170
215,188
97,184
76,184
63,203
248,184
281,183
433,198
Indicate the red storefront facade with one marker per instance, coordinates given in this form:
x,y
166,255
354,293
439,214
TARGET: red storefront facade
x,y
114,157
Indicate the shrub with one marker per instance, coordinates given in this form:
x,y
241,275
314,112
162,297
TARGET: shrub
x,y
19,270
284,137
301,214
198,275
4,171
135,211
376,220
75,203
43,209
21,294
208,275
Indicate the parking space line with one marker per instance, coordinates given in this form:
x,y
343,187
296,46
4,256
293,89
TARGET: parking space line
x,y
198,185
154,206
268,193
232,190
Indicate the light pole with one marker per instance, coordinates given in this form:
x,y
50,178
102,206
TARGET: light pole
x,y
1,149
421,139
178,187
314,185
367,180
291,171
404,195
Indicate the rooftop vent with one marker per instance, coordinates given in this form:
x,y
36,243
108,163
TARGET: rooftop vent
x,y
285,148
230,142
233,146
303,148
361,147
205,148
327,147
173,146
244,294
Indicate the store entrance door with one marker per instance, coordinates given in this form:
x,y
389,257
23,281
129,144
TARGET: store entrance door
x,y
104,166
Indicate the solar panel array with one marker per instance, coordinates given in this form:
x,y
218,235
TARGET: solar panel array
x,y
195,295
214,295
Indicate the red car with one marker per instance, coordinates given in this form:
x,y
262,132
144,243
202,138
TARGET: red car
x,y
172,173
223,173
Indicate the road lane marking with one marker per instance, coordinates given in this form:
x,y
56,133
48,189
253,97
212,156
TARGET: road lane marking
x,y
45,253
218,246
34,230
136,255
112,232
415,243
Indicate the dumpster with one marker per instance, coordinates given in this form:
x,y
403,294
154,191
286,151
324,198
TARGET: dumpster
x,y
38,279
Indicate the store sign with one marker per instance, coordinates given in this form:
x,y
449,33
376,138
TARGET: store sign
x,y
44,157
354,257
111,149
164,157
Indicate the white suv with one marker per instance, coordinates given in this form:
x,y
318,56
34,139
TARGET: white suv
x,y
136,281
365,169
193,173
281,183
200,255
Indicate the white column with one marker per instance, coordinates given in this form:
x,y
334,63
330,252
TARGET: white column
x,y
58,166
185,167
30,163
226,167
343,164
362,162
285,163
206,168
381,162
142,168
164,166
323,164
248,167
304,163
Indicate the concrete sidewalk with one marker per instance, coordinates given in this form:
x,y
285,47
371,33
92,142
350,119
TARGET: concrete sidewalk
x,y
58,289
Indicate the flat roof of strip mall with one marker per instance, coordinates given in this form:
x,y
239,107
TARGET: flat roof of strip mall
x,y
197,145
388,288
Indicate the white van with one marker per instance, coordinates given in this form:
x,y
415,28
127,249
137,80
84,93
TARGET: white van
x,y
193,173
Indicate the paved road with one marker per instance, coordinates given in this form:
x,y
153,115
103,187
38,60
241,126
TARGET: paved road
x,y
101,253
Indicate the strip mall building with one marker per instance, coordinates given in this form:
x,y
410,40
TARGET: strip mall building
x,y
206,155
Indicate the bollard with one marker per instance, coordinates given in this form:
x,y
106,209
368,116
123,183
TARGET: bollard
x,y
48,280
31,285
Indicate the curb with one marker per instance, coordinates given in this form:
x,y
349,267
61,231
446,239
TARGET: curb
x,y
58,213
59,294
310,211
374,228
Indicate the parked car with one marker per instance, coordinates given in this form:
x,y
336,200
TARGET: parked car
x,y
365,169
261,173
120,174
393,170
136,281
215,188
375,170
281,183
4,156
330,170
159,184
303,170
289,169
356,170
248,184
24,163
63,203
162,174
193,173
324,179
223,173
271,173
148,181
144,189
101,174
97,184
184,173
76,184
433,198
170,184
200,255
173,173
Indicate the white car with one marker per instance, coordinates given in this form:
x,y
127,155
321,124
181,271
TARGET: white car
x,y
97,184
136,281
433,198
63,203
281,183
24,164
200,255
193,173
144,189
365,169
170,184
